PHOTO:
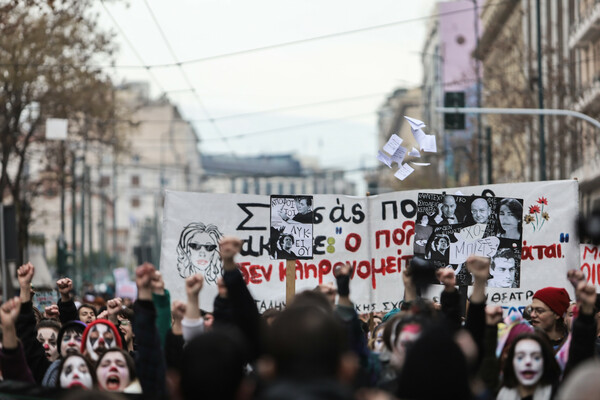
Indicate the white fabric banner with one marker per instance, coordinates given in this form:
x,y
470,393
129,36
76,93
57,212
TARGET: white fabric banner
x,y
376,234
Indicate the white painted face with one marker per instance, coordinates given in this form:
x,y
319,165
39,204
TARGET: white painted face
x,y
379,343
75,373
528,362
112,372
48,337
71,343
409,334
99,339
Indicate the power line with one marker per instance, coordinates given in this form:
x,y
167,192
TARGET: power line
x,y
187,79
267,47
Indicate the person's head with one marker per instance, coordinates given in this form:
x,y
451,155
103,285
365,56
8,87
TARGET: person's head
x,y
503,269
86,313
286,241
548,308
400,332
98,337
582,383
307,342
125,323
198,251
509,214
47,334
448,206
570,314
115,370
69,338
303,204
480,210
434,353
76,371
213,362
441,242
376,343
270,315
530,362
208,319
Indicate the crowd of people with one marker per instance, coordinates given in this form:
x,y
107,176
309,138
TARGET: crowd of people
x,y
317,348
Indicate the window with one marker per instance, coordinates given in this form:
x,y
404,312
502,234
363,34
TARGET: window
x,y
135,202
135,180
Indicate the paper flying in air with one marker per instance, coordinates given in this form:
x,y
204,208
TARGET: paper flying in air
x,y
399,155
421,164
420,137
392,144
415,153
429,144
415,123
384,158
404,171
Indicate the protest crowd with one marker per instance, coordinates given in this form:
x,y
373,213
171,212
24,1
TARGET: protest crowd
x,y
317,348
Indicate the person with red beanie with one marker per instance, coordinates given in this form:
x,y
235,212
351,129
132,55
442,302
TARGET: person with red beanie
x,y
99,336
547,311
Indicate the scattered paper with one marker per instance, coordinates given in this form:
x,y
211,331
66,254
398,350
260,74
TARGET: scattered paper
x,y
56,129
392,144
428,144
420,137
415,153
404,171
384,158
421,164
415,123
399,155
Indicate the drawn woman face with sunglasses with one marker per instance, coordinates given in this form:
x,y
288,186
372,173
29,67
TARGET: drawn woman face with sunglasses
x,y
198,252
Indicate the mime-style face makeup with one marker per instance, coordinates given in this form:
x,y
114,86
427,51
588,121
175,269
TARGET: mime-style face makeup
x,y
528,362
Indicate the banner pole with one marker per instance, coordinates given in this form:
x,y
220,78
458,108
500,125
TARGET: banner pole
x,y
290,281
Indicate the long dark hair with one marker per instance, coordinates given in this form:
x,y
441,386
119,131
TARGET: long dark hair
x,y
515,208
551,371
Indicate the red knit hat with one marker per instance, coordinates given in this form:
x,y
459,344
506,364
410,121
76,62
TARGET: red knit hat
x,y
555,298
106,322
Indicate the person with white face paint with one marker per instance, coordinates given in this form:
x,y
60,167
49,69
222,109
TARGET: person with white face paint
x,y
98,337
47,335
75,371
531,371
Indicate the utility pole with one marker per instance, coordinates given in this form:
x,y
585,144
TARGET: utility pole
x,y
478,73
76,268
541,94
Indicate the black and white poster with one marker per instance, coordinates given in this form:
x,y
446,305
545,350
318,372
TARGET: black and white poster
x,y
449,228
291,227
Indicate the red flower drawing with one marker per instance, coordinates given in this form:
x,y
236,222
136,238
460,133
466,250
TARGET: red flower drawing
x,y
543,200
534,209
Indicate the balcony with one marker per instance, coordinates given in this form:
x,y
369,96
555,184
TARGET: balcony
x,y
588,98
587,28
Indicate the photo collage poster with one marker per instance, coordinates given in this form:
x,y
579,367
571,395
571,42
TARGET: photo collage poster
x,y
291,227
449,228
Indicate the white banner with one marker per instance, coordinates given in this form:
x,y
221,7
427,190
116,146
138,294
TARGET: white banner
x,y
376,234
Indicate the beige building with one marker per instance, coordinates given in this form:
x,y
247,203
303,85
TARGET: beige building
x,y
509,50
584,47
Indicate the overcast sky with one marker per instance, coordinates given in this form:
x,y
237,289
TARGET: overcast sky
x,y
350,74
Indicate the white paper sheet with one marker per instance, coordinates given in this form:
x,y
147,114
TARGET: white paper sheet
x,y
384,158
415,123
404,171
392,144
